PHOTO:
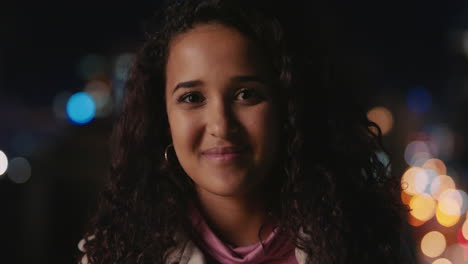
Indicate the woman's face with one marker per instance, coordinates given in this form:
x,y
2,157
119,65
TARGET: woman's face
x,y
220,105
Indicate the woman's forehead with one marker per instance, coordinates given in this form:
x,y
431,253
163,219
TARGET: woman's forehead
x,y
211,49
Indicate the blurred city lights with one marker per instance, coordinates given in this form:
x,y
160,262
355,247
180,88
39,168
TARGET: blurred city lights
x,y
3,162
453,202
442,140
19,170
428,190
442,261
101,93
415,181
441,184
414,221
422,207
122,66
417,153
118,88
433,244
436,165
455,253
419,100
382,117
91,66
406,198
423,180
60,104
461,238
81,108
464,229
445,219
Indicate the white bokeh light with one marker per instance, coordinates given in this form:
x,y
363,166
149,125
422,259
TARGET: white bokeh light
x,y
3,163
19,170
417,153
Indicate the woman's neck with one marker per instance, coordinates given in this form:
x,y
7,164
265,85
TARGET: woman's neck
x,y
236,220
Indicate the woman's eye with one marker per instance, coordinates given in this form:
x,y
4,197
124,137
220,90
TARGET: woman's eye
x,y
247,94
191,98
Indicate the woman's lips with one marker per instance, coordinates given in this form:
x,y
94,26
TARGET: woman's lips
x,y
227,153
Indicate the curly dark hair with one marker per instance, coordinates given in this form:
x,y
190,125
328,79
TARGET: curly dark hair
x,y
334,198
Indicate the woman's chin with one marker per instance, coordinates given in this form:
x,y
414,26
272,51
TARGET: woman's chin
x,y
224,188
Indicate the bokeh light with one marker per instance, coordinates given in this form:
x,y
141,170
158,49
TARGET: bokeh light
x,y
424,179
100,91
408,181
417,153
122,66
464,229
19,170
415,181
453,202
81,108
442,261
445,219
455,253
92,66
442,140
3,162
441,184
433,244
414,221
118,88
382,117
422,207
436,165
405,197
461,238
419,100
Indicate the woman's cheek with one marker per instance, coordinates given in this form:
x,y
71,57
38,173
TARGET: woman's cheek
x,y
187,131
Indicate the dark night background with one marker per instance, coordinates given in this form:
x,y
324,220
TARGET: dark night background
x,y
398,44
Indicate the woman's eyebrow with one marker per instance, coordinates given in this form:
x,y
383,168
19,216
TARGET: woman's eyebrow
x,y
187,84
238,79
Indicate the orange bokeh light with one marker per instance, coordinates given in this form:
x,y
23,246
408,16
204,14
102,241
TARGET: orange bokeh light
x,y
422,207
433,244
445,219
436,165
382,117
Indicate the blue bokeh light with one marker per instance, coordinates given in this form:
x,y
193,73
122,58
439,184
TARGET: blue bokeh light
x,y
419,100
81,108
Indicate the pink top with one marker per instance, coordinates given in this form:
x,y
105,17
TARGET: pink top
x,y
276,249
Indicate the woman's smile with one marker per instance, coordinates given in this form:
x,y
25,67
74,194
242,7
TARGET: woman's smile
x,y
225,154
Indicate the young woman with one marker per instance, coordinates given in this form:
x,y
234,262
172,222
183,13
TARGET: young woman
x,y
229,151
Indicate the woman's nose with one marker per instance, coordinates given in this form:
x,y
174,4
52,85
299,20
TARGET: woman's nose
x,y
221,121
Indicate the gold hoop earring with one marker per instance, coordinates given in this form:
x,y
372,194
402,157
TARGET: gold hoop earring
x,y
165,152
